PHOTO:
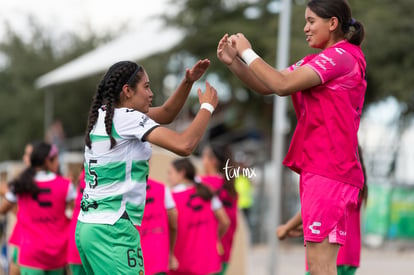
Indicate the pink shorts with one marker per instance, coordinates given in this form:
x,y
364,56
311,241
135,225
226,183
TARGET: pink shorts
x,y
325,207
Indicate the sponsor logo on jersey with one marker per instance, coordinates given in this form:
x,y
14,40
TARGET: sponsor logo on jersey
x,y
313,226
144,120
340,50
328,59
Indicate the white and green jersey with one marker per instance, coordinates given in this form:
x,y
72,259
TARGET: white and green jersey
x,y
116,178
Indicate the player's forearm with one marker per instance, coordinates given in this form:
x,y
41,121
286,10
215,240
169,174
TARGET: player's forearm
x,y
172,228
242,71
167,112
173,239
193,134
175,103
294,222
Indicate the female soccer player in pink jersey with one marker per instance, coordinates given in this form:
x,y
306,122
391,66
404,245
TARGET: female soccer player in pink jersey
x,y
214,160
202,222
328,91
158,229
42,198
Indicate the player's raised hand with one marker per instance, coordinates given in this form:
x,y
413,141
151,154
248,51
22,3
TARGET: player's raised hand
x,y
197,71
209,96
226,53
240,42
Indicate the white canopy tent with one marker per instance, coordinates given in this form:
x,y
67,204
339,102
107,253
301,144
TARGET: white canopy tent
x,y
148,40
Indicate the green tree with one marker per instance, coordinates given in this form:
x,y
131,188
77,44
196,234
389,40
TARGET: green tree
x,y
388,47
21,105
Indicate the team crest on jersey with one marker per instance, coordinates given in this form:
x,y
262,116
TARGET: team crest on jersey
x,y
299,63
144,120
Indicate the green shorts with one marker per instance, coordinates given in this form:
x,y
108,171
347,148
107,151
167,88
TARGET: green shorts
x,y
14,254
346,270
223,269
34,271
343,270
77,269
110,249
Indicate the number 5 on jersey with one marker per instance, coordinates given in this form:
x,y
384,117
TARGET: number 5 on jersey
x,y
94,182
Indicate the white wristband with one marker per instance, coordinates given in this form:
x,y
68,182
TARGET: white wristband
x,y
249,56
208,107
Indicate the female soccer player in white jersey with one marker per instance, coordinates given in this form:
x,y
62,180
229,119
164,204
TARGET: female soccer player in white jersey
x,y
120,128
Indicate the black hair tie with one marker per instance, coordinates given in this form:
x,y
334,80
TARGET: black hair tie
x,y
134,74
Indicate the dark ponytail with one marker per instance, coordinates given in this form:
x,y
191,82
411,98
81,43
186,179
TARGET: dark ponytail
x,y
356,33
190,173
25,184
352,29
223,155
108,94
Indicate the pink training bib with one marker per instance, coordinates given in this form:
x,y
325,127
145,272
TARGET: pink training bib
x,y
73,253
15,235
325,139
216,183
154,230
196,246
44,226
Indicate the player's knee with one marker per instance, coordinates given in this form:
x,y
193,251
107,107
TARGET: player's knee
x,y
322,268
321,258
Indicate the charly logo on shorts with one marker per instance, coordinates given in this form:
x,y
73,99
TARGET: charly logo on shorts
x,y
313,229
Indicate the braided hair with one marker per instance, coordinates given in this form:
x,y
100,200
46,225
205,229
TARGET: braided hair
x,y
108,95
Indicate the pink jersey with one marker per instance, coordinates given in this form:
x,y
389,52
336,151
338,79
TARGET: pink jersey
x,y
325,140
196,245
216,183
73,253
350,252
15,235
154,230
44,226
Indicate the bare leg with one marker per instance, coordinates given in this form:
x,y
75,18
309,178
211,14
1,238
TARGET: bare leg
x,y
14,269
322,257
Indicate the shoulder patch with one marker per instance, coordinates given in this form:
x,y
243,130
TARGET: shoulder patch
x,y
143,120
299,63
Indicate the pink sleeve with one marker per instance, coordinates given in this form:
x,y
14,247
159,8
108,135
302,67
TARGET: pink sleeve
x,y
297,97
332,63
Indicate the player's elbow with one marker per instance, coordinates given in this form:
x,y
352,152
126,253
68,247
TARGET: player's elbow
x,y
185,149
225,224
223,227
282,89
